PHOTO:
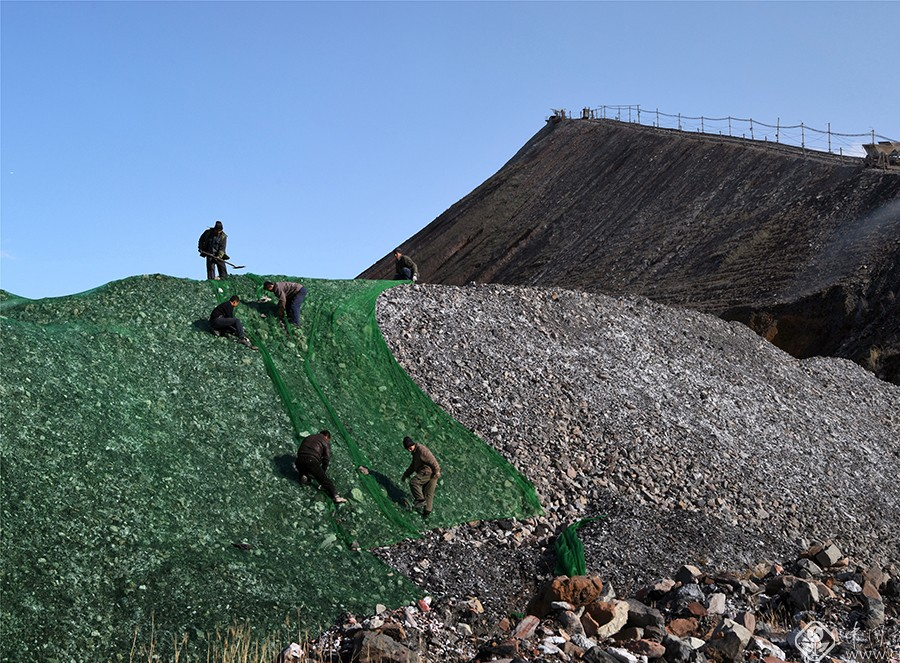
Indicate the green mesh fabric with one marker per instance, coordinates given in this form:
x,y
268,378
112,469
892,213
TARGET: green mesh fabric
x,y
570,559
147,466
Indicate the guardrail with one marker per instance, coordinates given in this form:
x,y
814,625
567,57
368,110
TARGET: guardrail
x,y
798,135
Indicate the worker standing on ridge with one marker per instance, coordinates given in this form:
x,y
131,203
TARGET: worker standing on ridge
x,y
212,247
223,321
405,267
425,472
288,293
313,458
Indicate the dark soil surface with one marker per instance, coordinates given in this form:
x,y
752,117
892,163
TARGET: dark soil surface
x,y
802,246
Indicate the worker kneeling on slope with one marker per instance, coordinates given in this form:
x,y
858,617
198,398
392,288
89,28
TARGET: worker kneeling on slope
x,y
222,320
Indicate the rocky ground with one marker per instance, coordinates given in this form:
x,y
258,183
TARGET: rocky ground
x,y
693,441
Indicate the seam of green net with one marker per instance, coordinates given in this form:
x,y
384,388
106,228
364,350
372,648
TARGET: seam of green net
x,y
365,299
284,392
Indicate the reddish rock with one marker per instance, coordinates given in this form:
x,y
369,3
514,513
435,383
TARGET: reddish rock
x,y
696,609
682,627
747,620
577,590
590,624
812,551
875,575
869,591
647,648
526,628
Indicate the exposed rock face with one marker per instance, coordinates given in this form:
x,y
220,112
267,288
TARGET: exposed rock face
x,y
803,247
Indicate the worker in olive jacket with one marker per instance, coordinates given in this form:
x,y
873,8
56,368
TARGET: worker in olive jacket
x,y
313,458
424,472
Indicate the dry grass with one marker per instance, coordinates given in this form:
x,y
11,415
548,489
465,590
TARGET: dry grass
x,y
235,644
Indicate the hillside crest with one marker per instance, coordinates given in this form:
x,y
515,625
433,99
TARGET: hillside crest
x,y
803,247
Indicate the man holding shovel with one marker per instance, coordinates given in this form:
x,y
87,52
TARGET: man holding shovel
x,y
212,246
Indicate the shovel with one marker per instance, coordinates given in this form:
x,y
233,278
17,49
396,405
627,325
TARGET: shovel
x,y
210,255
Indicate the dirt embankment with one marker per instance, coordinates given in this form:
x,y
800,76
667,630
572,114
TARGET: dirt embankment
x,y
803,247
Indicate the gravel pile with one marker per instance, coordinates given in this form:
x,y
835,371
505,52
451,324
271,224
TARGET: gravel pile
x,y
698,441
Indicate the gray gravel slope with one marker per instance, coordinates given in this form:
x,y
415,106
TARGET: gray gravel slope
x,y
699,441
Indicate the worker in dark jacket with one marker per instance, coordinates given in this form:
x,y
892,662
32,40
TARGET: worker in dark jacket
x,y
313,458
425,472
223,321
212,246
290,294
405,268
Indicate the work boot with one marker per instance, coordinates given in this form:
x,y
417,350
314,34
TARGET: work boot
x,y
425,515
246,341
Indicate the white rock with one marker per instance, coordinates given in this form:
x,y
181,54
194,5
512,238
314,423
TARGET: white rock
x,y
622,655
716,604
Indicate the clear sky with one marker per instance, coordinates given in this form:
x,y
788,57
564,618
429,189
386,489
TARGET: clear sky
x,y
323,134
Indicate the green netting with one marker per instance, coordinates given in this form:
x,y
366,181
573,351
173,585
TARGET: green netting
x,y
570,559
138,449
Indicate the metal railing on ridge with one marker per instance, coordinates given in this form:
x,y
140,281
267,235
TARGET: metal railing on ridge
x,y
797,135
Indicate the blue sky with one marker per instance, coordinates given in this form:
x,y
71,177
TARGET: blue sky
x,y
325,134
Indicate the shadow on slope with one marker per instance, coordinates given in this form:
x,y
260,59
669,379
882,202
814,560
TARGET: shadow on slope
x,y
139,450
